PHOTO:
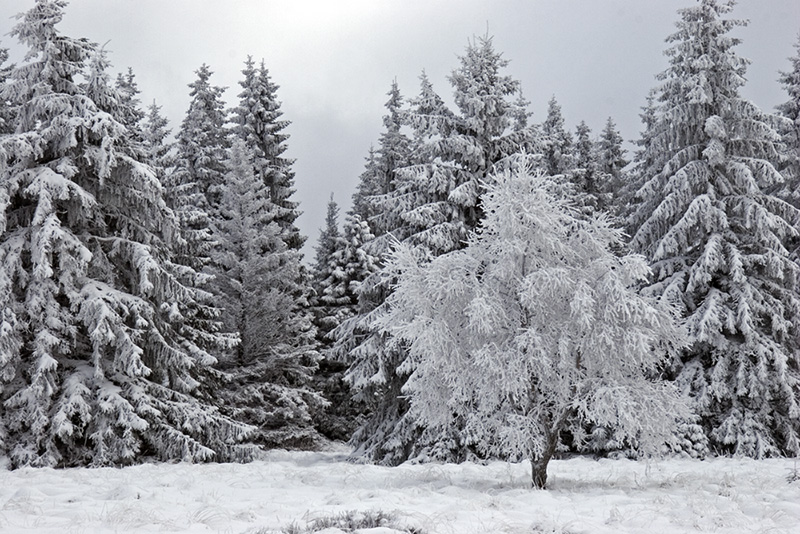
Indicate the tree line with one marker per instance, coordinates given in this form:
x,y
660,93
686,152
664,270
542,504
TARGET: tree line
x,y
499,288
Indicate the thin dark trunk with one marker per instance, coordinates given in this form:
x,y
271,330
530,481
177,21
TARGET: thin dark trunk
x,y
552,432
539,465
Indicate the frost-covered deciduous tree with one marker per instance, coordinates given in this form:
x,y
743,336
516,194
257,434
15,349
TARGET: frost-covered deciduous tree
x,y
104,342
274,361
715,241
536,322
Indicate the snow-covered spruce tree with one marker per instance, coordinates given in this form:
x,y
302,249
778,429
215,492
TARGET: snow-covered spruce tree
x,y
611,160
585,160
790,129
715,241
351,264
611,155
155,142
557,142
585,175
337,421
536,322
436,204
254,266
101,349
648,160
369,185
379,182
259,124
385,436
194,186
461,148
119,101
399,209
326,306
376,203
343,263
202,141
6,107
128,90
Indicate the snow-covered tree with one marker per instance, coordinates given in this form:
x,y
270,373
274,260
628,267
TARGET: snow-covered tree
x,y
337,278
440,197
611,160
376,198
155,141
379,182
201,143
611,155
327,243
369,186
584,151
535,323
195,186
387,435
557,142
275,358
343,263
648,160
6,107
715,241
375,203
326,306
128,90
104,342
434,203
790,129
586,173
350,264
259,123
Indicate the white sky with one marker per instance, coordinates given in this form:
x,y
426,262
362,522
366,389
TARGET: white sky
x,y
335,59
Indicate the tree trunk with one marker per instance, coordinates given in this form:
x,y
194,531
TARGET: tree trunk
x,y
539,465
553,430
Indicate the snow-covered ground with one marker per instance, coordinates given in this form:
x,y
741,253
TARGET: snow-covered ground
x,y
287,492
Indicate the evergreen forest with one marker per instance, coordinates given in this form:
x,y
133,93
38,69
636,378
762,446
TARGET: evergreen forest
x,y
498,288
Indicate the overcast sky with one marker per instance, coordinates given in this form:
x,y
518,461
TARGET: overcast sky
x,y
335,59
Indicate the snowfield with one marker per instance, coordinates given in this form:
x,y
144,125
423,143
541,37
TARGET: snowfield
x,y
296,492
